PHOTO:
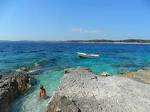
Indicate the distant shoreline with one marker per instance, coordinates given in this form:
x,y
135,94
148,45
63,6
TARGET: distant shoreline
x,y
114,42
128,41
103,41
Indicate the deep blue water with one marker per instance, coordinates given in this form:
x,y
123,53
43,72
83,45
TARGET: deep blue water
x,y
54,57
113,58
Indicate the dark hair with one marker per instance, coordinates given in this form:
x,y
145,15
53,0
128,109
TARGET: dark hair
x,y
41,87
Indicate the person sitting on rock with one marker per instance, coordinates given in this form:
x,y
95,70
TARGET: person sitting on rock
x,y
42,92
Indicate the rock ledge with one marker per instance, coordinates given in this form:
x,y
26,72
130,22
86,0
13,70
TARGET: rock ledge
x,y
11,86
81,91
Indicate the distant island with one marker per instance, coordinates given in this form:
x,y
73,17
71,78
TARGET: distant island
x,y
112,41
83,41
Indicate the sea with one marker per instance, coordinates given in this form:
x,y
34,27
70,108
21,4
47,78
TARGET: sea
x,y
54,57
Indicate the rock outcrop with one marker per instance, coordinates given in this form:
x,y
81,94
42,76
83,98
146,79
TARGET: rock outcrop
x,y
142,75
82,91
11,86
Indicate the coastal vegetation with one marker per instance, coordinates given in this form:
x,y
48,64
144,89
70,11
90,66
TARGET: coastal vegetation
x,y
114,41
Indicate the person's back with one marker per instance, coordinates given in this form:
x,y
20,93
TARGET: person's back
x,y
42,92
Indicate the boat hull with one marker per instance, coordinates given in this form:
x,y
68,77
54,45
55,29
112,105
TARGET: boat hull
x,y
84,55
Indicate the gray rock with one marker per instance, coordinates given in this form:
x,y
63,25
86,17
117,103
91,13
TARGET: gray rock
x,y
85,93
11,86
62,104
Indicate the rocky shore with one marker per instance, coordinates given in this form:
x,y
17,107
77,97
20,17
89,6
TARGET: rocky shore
x,y
142,75
11,86
82,91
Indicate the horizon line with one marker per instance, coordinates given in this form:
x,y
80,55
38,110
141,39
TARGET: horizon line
x,y
71,40
77,39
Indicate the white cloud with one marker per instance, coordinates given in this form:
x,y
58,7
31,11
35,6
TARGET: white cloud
x,y
102,33
130,34
87,31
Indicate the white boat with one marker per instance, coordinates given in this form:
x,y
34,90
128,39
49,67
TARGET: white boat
x,y
85,55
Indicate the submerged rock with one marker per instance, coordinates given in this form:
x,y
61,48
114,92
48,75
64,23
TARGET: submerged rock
x,y
11,86
80,91
33,70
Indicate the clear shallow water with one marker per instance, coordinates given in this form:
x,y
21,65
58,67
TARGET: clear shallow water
x,y
54,57
31,102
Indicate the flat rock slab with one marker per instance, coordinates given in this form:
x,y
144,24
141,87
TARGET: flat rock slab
x,y
87,92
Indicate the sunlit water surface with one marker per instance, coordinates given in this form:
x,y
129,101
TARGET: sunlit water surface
x,y
53,58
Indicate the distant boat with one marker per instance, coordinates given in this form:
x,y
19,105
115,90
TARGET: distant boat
x,y
85,55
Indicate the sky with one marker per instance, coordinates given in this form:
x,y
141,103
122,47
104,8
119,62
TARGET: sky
x,y
74,19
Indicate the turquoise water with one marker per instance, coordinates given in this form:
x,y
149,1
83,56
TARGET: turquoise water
x,y
53,58
56,56
31,102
